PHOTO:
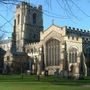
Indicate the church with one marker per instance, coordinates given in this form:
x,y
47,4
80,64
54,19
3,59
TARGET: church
x,y
58,50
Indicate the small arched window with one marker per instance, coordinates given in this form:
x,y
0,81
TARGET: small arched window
x,y
8,58
18,19
34,18
72,55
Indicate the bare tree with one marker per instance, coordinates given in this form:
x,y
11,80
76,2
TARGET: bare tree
x,y
65,5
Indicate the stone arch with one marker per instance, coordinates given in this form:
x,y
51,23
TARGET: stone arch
x,y
54,35
71,48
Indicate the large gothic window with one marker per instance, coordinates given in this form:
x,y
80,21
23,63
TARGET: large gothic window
x,y
72,55
52,52
34,18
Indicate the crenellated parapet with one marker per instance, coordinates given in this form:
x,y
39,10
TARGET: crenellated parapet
x,y
29,5
33,47
77,31
32,44
73,38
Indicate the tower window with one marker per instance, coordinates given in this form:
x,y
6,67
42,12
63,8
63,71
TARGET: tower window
x,y
86,39
77,38
34,18
18,18
72,37
8,58
35,36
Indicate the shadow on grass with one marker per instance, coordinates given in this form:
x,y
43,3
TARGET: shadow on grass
x,y
48,79
66,81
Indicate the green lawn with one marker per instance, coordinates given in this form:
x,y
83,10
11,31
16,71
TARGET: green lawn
x,y
38,86
15,82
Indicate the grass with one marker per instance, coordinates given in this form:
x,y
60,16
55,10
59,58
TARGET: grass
x,y
38,86
15,82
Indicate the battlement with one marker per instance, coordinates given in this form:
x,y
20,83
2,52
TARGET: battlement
x,y
28,5
71,29
74,38
35,47
33,44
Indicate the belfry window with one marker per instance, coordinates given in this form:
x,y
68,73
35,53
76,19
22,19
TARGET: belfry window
x,y
18,19
34,18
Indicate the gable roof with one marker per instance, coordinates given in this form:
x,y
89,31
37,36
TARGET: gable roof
x,y
59,30
54,26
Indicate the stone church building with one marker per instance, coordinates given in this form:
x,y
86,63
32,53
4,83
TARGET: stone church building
x,y
58,50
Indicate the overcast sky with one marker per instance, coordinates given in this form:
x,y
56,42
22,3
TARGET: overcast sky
x,y
74,13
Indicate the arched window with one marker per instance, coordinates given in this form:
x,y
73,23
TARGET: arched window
x,y
18,19
52,52
8,58
87,56
72,55
34,18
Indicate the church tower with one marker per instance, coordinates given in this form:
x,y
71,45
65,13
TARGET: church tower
x,y
29,23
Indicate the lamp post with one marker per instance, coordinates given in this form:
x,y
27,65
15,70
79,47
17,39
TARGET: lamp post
x,y
21,69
